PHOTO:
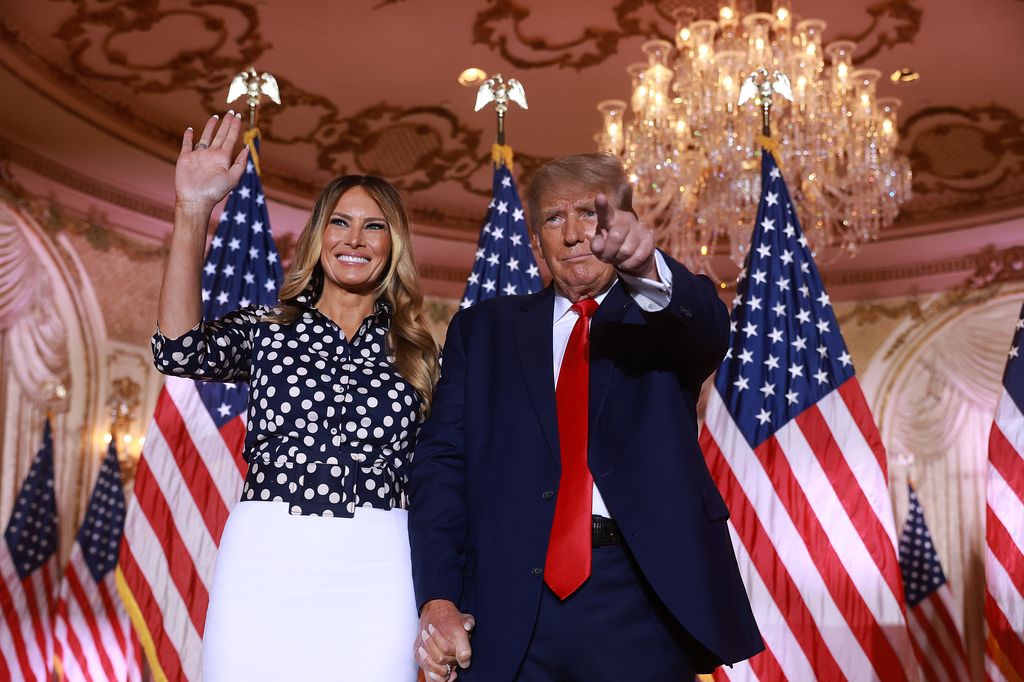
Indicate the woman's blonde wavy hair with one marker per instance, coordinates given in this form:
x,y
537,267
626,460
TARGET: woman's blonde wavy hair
x,y
409,339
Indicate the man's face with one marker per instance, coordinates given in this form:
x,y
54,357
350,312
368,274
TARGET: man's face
x,y
566,223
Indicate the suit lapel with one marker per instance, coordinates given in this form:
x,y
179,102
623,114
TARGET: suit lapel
x,y
533,336
613,309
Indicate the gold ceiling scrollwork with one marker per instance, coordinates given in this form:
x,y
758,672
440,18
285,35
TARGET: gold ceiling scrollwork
x,y
212,39
967,158
416,147
893,22
501,26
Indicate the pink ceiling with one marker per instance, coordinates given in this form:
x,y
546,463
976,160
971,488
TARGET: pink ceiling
x,y
104,88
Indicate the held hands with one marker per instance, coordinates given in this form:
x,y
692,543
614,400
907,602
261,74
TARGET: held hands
x,y
622,241
205,172
443,645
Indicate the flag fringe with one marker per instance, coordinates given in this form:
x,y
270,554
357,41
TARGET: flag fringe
x,y
501,154
249,138
139,623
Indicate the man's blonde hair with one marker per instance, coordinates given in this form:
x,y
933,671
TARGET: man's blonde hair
x,y
597,172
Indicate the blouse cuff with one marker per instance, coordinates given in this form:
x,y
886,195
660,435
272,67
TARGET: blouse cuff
x,y
179,352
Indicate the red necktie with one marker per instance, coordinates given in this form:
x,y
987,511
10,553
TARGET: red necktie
x,y
568,561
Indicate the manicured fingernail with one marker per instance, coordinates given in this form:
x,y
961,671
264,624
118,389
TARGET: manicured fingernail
x,y
423,653
216,116
189,129
468,626
434,676
238,115
431,628
424,636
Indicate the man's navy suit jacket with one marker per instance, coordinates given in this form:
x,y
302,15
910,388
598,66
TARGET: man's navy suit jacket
x,y
487,463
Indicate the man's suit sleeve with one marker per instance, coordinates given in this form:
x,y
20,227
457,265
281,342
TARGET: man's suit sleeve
x,y
696,320
437,484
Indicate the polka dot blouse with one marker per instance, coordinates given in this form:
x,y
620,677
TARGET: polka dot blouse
x,y
331,423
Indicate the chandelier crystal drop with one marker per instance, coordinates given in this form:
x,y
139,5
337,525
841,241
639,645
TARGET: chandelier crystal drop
x,y
693,153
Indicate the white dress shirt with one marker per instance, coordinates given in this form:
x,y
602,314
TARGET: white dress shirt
x,y
650,295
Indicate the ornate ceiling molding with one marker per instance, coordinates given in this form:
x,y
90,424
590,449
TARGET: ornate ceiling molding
x,y
893,22
988,271
502,26
215,37
415,147
964,160
420,146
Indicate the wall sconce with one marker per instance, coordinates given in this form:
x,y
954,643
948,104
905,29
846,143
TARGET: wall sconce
x,y
123,403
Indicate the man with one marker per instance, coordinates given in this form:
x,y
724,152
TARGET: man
x,y
561,510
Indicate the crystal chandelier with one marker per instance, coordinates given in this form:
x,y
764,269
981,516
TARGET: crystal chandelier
x,y
693,153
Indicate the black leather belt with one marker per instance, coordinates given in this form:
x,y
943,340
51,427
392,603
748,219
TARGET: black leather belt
x,y
606,532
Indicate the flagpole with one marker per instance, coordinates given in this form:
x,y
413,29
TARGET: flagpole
x,y
504,262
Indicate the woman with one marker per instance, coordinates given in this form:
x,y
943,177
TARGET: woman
x,y
340,374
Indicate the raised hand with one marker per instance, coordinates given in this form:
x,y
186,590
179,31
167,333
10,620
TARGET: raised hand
x,y
209,169
621,240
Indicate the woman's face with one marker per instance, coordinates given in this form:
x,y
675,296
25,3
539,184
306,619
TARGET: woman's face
x,y
356,244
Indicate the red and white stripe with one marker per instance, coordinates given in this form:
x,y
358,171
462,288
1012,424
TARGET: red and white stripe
x,y
189,477
1004,546
26,608
937,636
93,636
815,538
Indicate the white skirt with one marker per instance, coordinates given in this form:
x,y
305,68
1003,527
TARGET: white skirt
x,y
311,598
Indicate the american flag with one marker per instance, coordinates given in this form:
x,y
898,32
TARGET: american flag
x,y
935,630
94,638
1004,524
504,263
793,447
28,572
191,470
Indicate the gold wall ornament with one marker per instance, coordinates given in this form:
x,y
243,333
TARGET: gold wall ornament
x,y
254,87
54,395
122,404
122,409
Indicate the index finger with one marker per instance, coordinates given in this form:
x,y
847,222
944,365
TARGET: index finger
x,y
605,212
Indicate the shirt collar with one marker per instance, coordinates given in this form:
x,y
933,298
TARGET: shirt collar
x,y
562,304
381,315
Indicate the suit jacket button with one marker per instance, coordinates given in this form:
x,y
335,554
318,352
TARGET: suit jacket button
x,y
548,494
536,571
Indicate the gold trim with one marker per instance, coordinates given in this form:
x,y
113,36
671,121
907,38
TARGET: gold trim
x,y
139,623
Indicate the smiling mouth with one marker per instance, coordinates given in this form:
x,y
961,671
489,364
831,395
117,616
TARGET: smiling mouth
x,y
352,260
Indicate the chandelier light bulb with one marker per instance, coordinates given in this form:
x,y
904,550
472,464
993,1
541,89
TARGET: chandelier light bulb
x,y
692,152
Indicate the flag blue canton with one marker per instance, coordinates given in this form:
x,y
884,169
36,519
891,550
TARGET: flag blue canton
x,y
785,350
919,563
31,533
504,263
242,268
101,530
1013,375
